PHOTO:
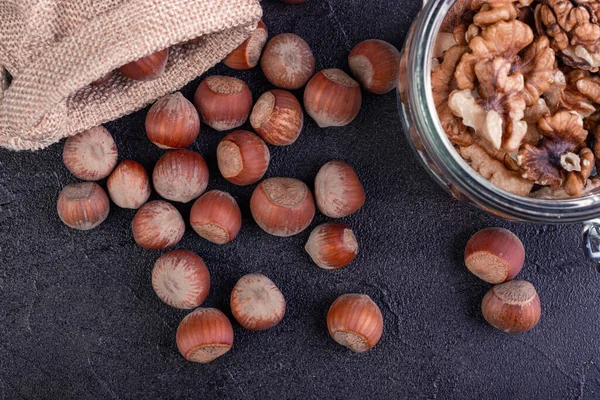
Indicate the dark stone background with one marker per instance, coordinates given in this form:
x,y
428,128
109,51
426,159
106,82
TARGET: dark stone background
x,y
79,319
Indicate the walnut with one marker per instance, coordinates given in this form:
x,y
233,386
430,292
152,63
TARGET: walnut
x,y
573,28
548,162
537,67
577,178
548,193
495,171
472,31
460,13
564,125
508,159
564,92
532,115
496,110
457,20
501,40
443,42
596,147
492,11
585,83
454,27
442,84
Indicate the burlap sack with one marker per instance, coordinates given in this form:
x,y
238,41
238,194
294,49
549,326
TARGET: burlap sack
x,y
54,49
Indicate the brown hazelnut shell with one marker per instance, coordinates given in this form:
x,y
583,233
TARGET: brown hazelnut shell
x,y
90,155
181,279
146,68
216,217
338,190
223,102
375,63
129,185
332,98
282,206
204,335
172,122
180,175
243,158
287,61
157,225
277,117
83,206
512,307
257,303
332,245
494,255
355,321
247,54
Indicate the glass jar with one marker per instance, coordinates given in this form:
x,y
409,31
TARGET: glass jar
x,y
442,161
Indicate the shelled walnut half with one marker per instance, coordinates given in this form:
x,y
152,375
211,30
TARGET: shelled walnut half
x,y
561,155
573,28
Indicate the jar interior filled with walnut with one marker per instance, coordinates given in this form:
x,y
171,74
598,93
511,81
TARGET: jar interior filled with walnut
x,y
501,101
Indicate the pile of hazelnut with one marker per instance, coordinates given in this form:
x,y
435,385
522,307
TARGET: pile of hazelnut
x,y
280,206
496,255
516,88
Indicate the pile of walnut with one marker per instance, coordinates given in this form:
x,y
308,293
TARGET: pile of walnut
x,y
516,88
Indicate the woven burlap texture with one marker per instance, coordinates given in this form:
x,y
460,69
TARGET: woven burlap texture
x,y
53,50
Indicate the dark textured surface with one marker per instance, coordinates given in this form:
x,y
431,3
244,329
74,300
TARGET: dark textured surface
x,y
79,319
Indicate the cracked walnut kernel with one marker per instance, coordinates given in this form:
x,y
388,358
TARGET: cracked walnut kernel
x,y
495,113
549,162
495,171
573,28
443,83
492,11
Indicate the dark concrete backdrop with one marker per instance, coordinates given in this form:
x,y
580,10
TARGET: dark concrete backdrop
x,y
79,319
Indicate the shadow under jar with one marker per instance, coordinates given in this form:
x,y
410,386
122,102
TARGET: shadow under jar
x,y
444,163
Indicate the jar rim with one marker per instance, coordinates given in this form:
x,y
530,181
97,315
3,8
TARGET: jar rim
x,y
441,151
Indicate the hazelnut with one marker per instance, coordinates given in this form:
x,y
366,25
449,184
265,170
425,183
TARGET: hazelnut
x,y
247,54
90,155
103,80
204,335
82,206
243,158
287,61
223,102
146,68
355,321
332,98
494,255
216,217
181,279
157,225
338,190
512,307
257,303
375,63
180,175
129,185
277,117
282,206
332,245
172,122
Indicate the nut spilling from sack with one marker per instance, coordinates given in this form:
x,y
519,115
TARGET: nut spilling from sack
x,y
516,89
